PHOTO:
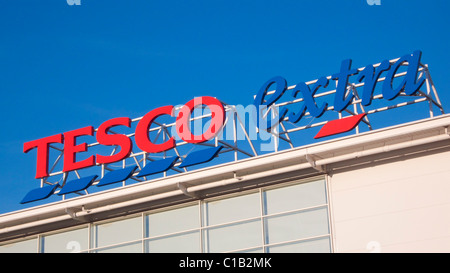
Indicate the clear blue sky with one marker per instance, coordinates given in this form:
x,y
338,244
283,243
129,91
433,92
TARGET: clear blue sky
x,y
64,67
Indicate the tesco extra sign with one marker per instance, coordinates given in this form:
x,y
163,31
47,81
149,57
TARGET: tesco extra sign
x,y
342,99
71,148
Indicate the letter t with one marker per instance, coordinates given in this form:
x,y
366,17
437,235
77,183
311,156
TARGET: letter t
x,y
340,101
42,146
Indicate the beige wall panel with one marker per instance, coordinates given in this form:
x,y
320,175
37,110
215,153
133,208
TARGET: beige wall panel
x,y
401,206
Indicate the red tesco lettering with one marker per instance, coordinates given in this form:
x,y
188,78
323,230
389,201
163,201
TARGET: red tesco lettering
x,y
71,148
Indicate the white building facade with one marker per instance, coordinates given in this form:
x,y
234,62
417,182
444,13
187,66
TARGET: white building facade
x,y
384,190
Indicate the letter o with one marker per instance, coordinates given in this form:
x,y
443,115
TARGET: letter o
x,y
217,119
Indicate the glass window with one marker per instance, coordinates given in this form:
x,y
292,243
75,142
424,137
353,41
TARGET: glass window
x,y
117,232
233,237
135,247
291,217
321,245
27,246
178,243
232,209
251,250
64,242
295,196
296,225
170,221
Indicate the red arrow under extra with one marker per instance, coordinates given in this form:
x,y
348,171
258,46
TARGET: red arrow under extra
x,y
338,126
